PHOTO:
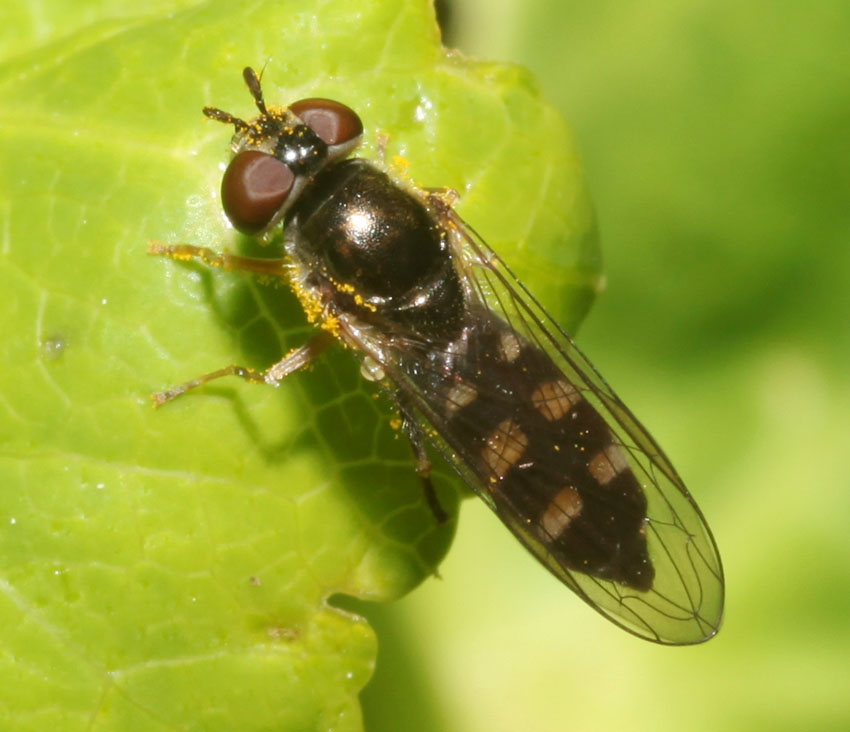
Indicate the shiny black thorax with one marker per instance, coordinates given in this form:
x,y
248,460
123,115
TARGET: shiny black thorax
x,y
374,250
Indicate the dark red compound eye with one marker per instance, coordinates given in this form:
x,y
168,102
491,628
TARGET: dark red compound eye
x,y
253,189
333,122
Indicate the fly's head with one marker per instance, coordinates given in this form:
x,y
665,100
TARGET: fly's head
x,y
278,152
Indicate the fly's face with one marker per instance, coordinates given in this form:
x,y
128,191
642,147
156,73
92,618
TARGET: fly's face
x,y
474,362
276,153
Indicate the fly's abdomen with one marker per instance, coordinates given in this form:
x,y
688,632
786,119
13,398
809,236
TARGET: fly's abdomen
x,y
545,456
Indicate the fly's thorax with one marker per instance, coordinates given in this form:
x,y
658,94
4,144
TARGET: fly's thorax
x,y
375,248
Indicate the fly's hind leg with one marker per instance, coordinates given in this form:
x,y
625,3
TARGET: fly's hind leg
x,y
293,361
423,468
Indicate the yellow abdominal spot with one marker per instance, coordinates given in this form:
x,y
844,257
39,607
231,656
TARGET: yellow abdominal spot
x,y
504,447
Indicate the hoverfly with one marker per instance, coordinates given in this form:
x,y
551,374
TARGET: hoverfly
x,y
473,361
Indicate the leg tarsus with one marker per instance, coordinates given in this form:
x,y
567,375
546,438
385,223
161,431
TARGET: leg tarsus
x,y
432,500
243,372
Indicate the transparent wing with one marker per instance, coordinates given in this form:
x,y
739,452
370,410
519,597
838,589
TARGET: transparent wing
x,y
481,399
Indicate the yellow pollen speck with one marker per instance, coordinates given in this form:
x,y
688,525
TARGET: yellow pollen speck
x,y
359,301
331,325
401,162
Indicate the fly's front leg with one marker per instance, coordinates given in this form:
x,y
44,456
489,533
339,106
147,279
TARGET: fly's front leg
x,y
186,252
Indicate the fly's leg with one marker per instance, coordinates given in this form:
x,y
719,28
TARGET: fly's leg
x,y
441,202
444,198
293,361
272,376
423,469
187,252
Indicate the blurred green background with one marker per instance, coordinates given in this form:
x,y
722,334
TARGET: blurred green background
x,y
716,138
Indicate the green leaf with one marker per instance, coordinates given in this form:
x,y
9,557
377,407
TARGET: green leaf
x,y
173,569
